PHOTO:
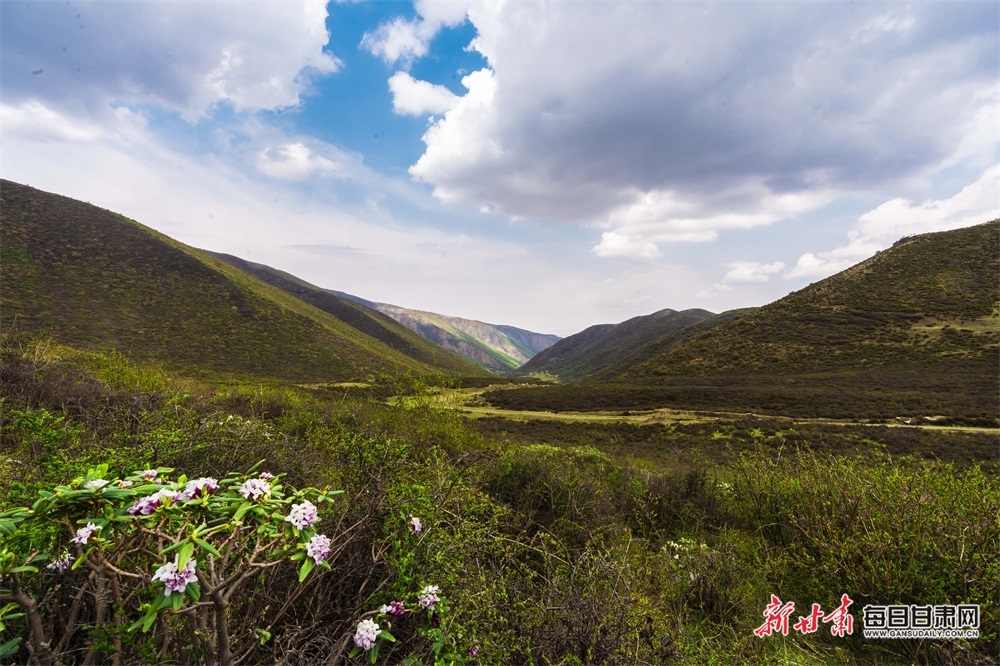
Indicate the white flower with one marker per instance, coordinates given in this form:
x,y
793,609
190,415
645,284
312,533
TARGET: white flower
x,y
429,596
267,476
174,580
302,515
255,489
318,547
415,524
366,634
83,534
61,564
149,505
96,483
149,475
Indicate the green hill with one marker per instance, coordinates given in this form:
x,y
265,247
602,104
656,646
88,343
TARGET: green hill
x,y
361,317
912,332
91,278
599,350
927,302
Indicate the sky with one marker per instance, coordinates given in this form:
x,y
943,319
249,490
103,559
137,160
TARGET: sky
x,y
541,164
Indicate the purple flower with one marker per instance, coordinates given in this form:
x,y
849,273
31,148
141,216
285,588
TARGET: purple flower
x,y
255,489
125,484
83,534
366,634
149,505
267,476
474,650
302,515
429,596
415,524
149,475
61,564
394,608
318,547
202,487
174,580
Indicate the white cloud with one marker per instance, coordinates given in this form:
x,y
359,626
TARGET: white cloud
x,y
709,117
416,98
879,228
617,244
186,56
750,272
295,161
33,120
402,41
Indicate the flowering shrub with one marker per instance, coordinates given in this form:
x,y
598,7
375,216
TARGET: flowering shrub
x,y
209,536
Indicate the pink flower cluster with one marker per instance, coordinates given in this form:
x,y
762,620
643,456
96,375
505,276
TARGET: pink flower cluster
x,y
254,489
302,515
174,580
429,596
83,534
366,634
202,487
394,608
148,505
318,547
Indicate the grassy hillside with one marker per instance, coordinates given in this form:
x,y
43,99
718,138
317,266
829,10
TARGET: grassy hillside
x,y
90,278
913,331
599,349
499,348
927,301
361,317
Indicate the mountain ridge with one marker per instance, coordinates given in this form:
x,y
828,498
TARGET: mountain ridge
x,y
498,347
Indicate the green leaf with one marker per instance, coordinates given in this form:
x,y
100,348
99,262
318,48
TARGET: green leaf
x,y
24,569
193,591
387,636
176,601
148,622
240,512
374,653
307,566
184,555
204,545
7,527
9,648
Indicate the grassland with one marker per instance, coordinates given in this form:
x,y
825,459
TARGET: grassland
x,y
553,541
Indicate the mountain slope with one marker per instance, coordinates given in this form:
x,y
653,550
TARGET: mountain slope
x,y
359,316
593,351
927,300
88,277
496,347
911,333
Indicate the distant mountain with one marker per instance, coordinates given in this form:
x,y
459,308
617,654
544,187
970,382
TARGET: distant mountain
x,y
928,300
601,350
360,316
90,278
499,348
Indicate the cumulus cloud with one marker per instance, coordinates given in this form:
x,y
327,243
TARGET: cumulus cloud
x,y
879,228
184,56
617,244
742,113
295,161
402,41
751,272
416,98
